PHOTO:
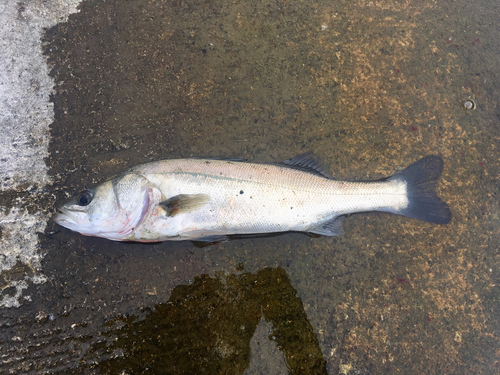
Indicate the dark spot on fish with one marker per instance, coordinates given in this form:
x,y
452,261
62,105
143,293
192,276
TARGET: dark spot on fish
x,y
207,162
241,191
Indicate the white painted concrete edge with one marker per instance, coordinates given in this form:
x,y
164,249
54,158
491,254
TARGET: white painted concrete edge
x,y
25,117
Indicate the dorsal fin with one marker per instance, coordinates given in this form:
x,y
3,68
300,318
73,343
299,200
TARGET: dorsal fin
x,y
308,163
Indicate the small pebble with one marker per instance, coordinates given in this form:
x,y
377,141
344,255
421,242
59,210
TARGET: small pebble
x,y
469,104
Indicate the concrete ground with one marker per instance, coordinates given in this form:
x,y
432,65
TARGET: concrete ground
x,y
370,87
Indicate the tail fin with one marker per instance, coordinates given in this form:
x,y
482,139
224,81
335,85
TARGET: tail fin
x,y
420,178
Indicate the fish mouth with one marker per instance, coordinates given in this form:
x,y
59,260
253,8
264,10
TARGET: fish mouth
x,y
64,218
60,216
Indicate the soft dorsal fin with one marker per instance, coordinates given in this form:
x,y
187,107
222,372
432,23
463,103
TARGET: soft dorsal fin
x,y
183,203
308,163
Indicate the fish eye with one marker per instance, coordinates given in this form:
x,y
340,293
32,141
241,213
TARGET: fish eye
x,y
84,198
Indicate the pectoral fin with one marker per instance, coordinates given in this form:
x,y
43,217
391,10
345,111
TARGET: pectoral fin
x,y
183,203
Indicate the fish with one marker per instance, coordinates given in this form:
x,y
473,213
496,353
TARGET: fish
x,y
211,200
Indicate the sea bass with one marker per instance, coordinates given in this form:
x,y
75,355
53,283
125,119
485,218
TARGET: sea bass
x,y
208,200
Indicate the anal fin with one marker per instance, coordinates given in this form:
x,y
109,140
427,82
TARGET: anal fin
x,y
330,228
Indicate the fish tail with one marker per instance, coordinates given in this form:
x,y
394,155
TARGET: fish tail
x,y
423,202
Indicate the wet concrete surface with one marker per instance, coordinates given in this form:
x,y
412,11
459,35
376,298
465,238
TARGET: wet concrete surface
x,y
369,87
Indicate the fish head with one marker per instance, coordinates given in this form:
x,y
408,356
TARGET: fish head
x,y
113,209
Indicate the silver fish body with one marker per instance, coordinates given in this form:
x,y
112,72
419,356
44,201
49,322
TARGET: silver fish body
x,y
208,200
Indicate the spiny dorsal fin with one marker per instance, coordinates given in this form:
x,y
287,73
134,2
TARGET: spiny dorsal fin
x,y
308,163
183,203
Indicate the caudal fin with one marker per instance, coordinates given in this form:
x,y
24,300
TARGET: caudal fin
x,y
424,204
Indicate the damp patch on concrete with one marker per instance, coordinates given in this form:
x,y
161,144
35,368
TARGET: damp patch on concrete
x,y
25,116
215,325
